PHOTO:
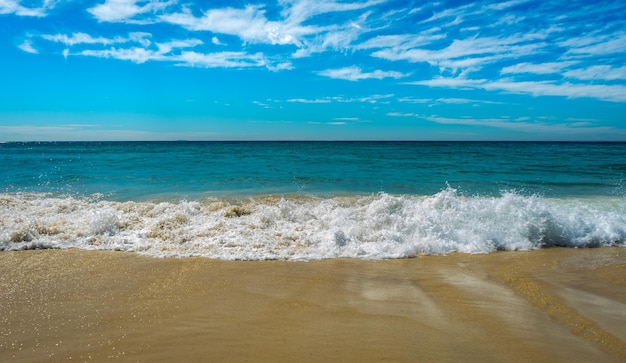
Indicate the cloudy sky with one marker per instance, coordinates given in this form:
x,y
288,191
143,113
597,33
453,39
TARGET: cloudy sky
x,y
312,69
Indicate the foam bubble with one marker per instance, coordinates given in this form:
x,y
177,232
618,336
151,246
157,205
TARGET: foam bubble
x,y
296,227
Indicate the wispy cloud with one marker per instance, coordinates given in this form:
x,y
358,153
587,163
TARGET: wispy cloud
x,y
16,7
293,27
134,54
499,47
304,100
446,101
184,58
92,133
532,48
216,41
402,41
221,59
404,114
611,93
600,72
138,47
464,54
521,124
27,46
262,104
371,99
506,4
249,24
462,101
414,100
332,123
598,44
356,74
540,68
83,38
353,119
568,128
126,10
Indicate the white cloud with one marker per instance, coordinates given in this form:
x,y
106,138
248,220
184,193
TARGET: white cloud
x,y
445,82
168,51
261,104
91,133
115,10
403,114
27,46
298,11
294,26
356,74
414,100
334,123
473,56
611,93
75,38
83,38
15,7
167,47
216,41
492,122
372,99
304,100
600,72
156,51
185,58
462,101
599,45
541,68
471,53
455,13
455,48
506,4
9,6
221,59
249,24
285,66
402,41
134,54
568,128
125,10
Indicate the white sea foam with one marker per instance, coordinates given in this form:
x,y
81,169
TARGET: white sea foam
x,y
302,228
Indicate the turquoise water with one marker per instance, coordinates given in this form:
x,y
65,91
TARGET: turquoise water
x,y
311,200
193,170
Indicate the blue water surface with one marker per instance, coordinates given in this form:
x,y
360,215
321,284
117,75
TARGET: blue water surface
x,y
196,170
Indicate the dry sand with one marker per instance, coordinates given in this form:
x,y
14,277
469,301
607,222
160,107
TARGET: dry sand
x,y
552,305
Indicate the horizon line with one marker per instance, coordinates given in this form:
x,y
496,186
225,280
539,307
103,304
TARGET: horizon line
x,y
310,140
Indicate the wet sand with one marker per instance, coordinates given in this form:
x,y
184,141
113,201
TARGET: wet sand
x,y
552,305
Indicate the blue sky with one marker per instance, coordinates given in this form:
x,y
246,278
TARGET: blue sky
x,y
312,69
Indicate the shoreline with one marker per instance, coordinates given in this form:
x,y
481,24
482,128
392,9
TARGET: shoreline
x,y
548,305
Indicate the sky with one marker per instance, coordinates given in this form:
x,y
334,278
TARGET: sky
x,y
312,70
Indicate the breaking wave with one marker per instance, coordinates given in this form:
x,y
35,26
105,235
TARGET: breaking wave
x,y
376,226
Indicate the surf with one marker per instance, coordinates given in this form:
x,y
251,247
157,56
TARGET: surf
x,y
301,227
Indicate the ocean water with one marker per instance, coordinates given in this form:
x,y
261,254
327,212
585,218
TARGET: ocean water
x,y
311,200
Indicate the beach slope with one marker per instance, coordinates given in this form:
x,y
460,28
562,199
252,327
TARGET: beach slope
x,y
550,305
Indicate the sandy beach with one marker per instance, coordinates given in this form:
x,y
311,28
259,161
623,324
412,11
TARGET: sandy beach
x,y
551,305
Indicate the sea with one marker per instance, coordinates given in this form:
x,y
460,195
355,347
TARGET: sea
x,y
311,200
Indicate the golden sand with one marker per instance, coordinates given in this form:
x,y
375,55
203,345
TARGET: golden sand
x,y
552,305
